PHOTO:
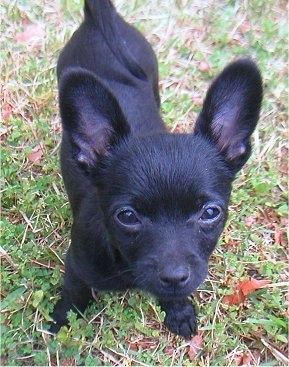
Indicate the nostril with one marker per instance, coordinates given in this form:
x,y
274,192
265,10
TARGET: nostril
x,y
184,278
177,277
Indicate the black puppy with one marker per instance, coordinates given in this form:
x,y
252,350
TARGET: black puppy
x,y
148,206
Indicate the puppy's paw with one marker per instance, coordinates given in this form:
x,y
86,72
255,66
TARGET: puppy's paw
x,y
59,318
55,326
180,317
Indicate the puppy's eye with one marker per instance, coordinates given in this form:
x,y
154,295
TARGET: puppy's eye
x,y
127,217
210,214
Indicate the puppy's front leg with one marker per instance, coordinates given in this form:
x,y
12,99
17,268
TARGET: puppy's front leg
x,y
75,296
180,316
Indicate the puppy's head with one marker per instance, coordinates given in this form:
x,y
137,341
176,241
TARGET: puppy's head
x,y
164,197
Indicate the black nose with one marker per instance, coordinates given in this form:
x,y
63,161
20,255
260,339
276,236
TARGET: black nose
x,y
175,277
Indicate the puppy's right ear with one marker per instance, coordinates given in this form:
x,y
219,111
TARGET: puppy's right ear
x,y
91,116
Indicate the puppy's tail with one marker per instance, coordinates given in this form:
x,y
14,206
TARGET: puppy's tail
x,y
107,19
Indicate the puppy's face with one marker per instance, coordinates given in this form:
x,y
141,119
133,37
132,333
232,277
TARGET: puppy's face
x,y
164,200
163,197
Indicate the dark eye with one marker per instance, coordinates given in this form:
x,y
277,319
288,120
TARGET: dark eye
x,y
210,214
127,217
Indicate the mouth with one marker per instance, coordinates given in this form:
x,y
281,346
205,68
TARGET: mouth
x,y
172,295
160,292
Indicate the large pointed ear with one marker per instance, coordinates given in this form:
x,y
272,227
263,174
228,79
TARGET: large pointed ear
x,y
231,111
91,116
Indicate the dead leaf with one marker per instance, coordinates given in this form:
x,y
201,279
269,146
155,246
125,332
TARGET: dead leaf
x,y
169,350
249,221
285,222
143,344
234,299
238,358
245,359
245,27
277,234
234,41
37,153
69,362
196,344
243,289
197,101
249,286
33,33
204,66
6,112
284,168
133,346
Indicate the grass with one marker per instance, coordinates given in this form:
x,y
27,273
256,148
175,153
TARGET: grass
x,y
193,41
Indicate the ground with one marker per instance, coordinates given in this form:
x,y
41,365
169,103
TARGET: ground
x,y
242,304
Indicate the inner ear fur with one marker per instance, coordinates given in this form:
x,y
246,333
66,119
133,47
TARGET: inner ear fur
x,y
231,111
91,116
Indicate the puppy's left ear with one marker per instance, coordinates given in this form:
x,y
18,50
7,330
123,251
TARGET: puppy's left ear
x,y
231,111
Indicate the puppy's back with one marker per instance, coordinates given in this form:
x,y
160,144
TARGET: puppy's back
x,y
121,58
106,38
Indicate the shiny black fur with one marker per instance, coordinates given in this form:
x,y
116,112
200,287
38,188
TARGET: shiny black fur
x,y
148,206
